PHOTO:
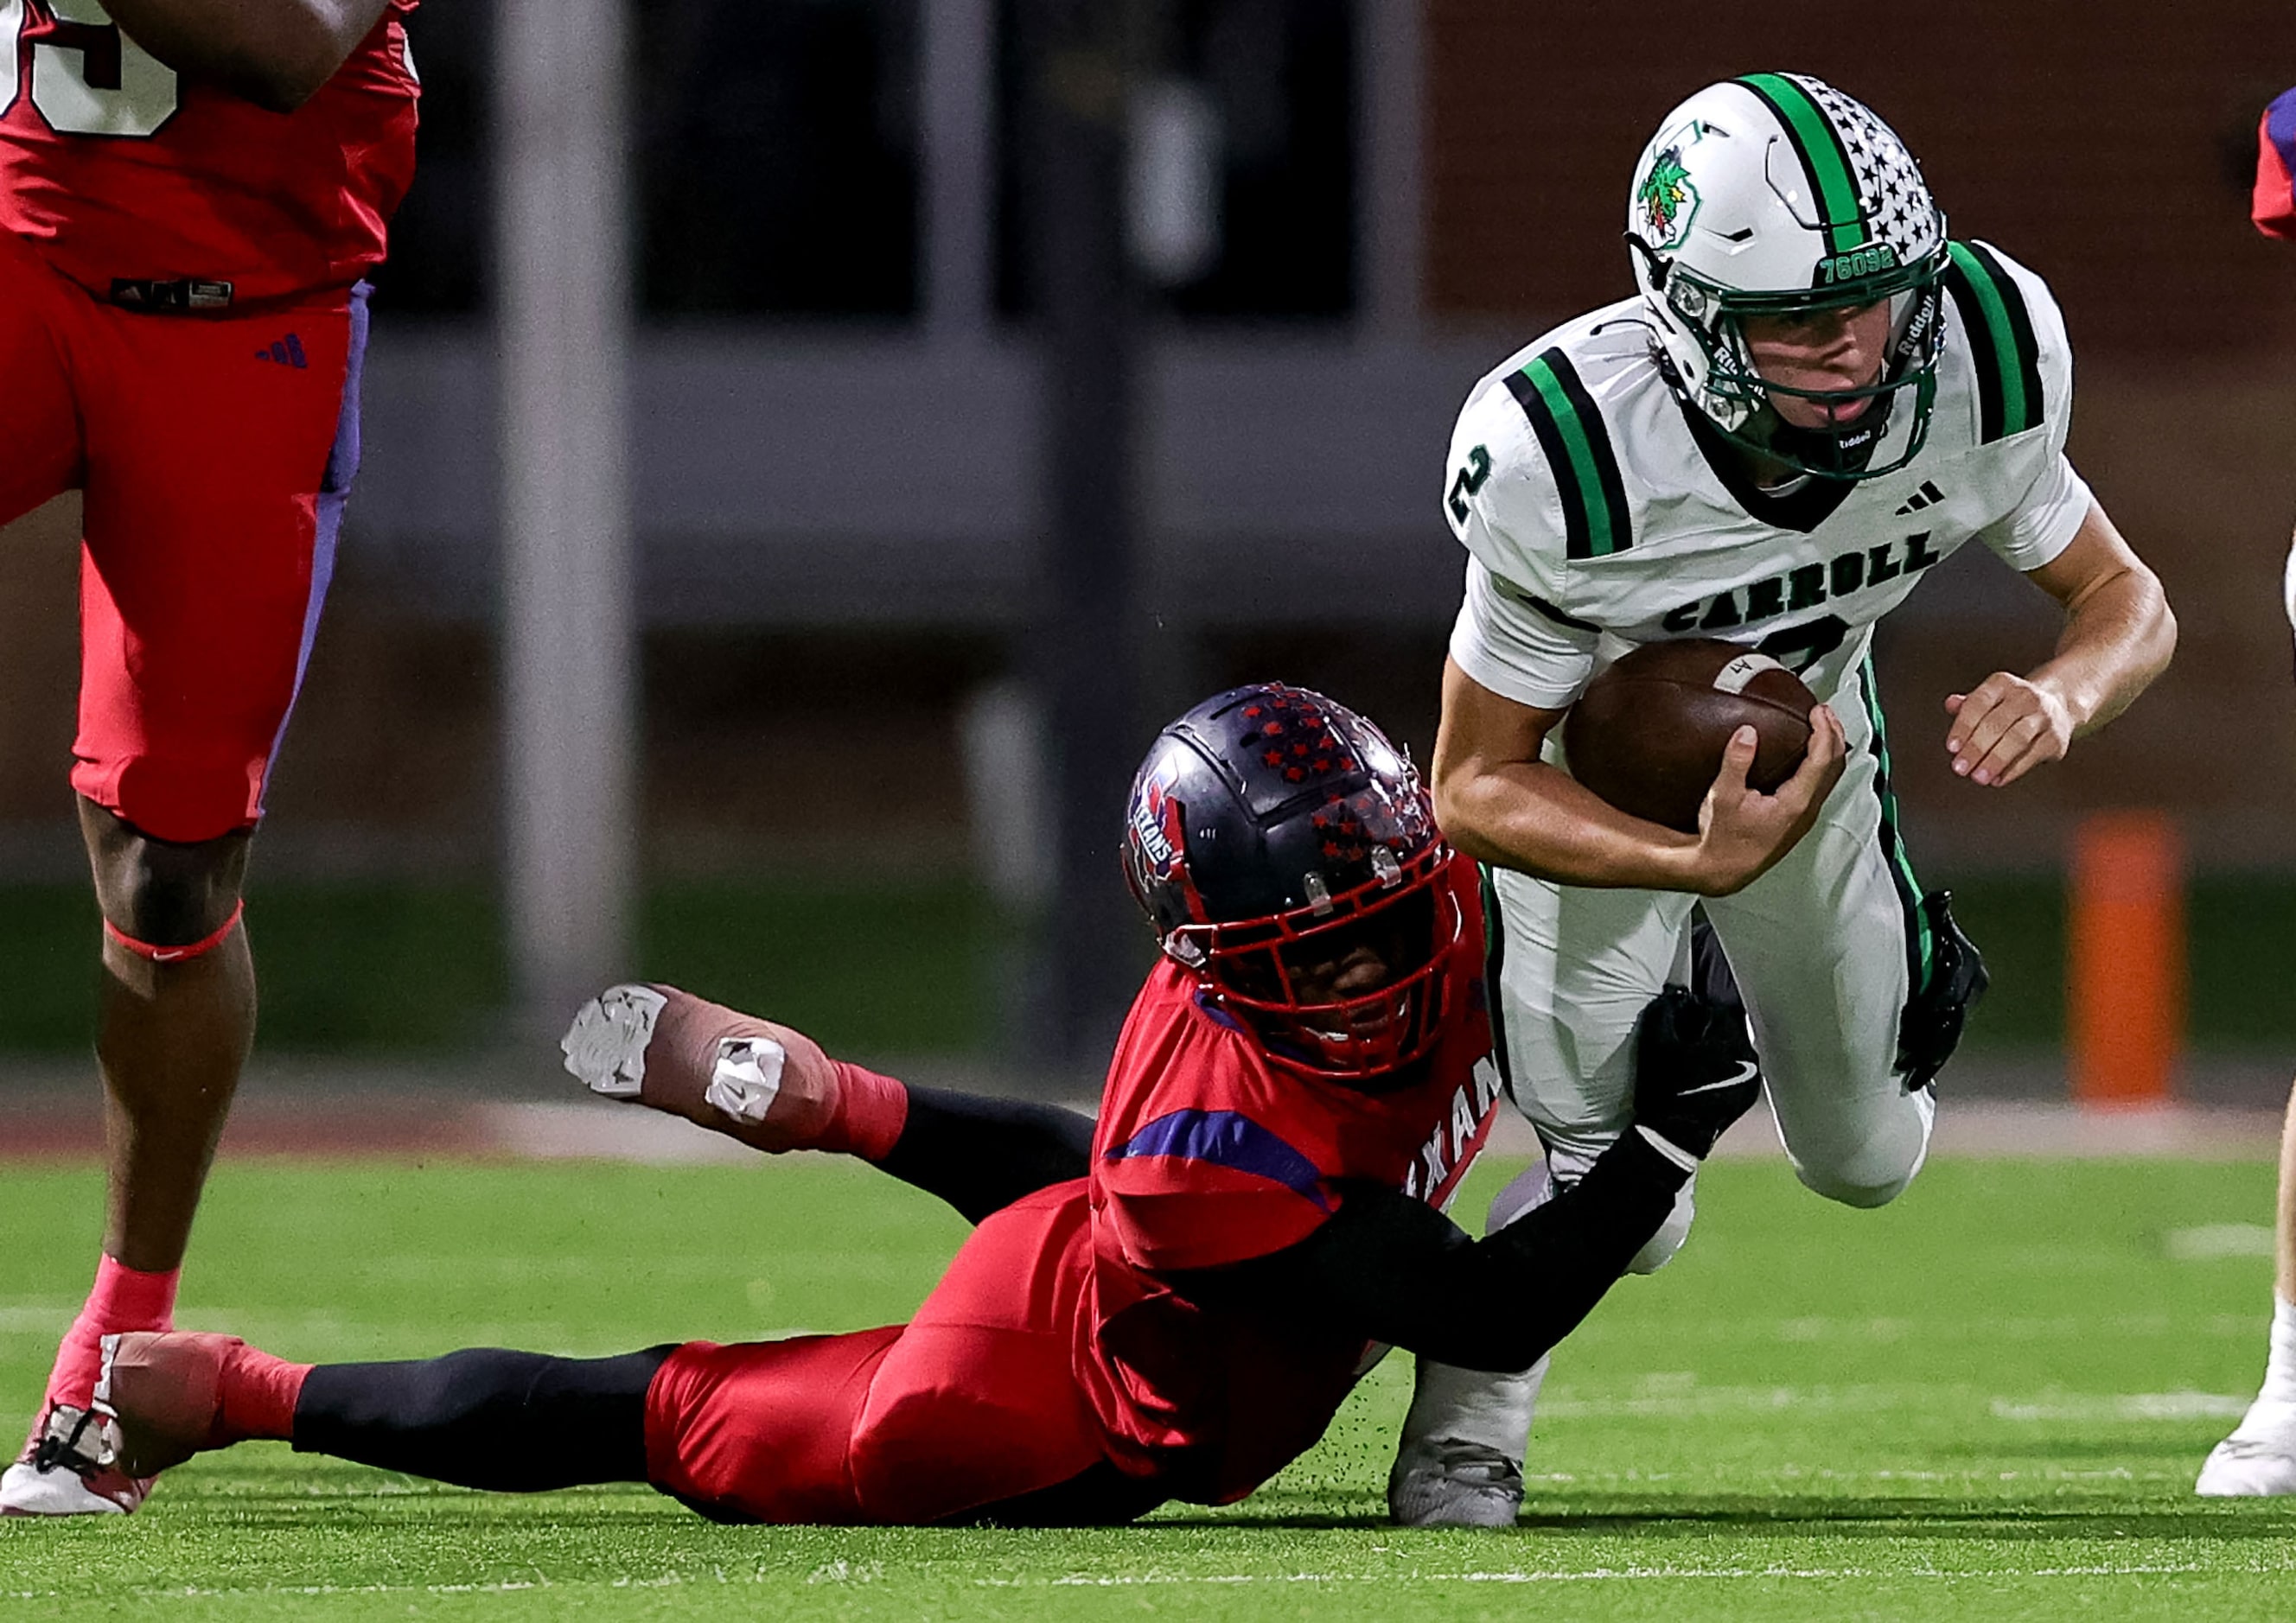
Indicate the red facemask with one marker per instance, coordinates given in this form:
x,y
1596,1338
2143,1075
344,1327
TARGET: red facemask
x,y
1254,968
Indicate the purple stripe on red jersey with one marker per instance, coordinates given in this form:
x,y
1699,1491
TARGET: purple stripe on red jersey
x,y
2273,208
1225,1138
1211,1006
335,496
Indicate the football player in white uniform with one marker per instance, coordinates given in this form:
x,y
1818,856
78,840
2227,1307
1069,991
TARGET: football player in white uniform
x,y
1815,398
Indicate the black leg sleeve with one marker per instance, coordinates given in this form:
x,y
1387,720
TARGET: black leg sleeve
x,y
508,1422
980,1155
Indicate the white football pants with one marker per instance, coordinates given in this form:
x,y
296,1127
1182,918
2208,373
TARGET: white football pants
x,y
1825,948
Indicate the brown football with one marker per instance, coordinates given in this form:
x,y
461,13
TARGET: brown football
x,y
1647,735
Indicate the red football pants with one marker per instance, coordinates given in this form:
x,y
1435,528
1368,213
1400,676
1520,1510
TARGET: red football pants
x,y
216,453
972,1403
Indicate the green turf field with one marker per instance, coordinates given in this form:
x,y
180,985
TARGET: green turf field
x,y
1987,1401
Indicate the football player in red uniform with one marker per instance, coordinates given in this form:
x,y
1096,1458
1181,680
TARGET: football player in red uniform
x,y
189,191
1171,1305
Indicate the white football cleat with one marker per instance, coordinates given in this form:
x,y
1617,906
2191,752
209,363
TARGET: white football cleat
x,y
70,1468
605,1047
1446,1482
2257,1460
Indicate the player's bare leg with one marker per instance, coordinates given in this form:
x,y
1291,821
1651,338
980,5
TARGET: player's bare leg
x,y
2259,1457
177,1014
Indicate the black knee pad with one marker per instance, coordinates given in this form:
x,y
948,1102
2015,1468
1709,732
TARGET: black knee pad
x,y
1930,1029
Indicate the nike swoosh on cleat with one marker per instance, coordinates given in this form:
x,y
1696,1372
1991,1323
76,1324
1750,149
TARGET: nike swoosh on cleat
x,y
1747,1072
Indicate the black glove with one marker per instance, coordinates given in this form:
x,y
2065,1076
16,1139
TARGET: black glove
x,y
1694,1069
1930,1029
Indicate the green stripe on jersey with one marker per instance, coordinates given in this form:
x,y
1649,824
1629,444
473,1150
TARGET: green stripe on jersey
x,y
1822,158
1494,972
2001,342
1578,447
1921,951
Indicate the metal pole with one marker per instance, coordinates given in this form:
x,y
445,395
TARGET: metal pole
x,y
957,97
1390,216
1077,79
561,199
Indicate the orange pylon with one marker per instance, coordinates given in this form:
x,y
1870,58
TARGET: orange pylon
x,y
2125,958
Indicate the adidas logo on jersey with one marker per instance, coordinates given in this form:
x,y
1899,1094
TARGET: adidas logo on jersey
x,y
287,352
1928,495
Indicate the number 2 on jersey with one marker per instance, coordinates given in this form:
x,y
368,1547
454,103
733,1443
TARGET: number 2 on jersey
x,y
88,77
1470,481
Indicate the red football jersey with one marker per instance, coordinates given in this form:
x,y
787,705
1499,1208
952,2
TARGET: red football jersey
x,y
1207,1154
118,170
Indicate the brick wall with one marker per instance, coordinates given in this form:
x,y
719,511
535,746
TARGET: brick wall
x,y
2108,145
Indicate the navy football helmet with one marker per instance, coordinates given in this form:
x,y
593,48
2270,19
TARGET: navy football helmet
x,y
1272,836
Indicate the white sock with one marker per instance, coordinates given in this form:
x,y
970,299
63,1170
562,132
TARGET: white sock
x,y
1471,1406
2280,1367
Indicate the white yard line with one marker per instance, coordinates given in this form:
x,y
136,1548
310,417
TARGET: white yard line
x,y
2089,1408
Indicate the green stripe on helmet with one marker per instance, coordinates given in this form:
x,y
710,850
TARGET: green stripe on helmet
x,y
1822,158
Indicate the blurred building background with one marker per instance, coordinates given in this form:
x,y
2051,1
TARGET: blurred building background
x,y
842,498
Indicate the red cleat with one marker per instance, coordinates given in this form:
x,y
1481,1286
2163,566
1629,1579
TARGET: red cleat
x,y
765,1085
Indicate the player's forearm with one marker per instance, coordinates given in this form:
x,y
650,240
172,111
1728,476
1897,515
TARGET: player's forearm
x,y
1538,819
1390,1268
1561,1259
275,53
2119,636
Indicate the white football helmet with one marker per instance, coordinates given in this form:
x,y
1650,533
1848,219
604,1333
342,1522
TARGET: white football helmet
x,y
1775,193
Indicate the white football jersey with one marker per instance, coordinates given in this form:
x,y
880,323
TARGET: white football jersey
x,y
1597,520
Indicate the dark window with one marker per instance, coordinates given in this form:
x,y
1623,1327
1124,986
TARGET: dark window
x,y
776,158
440,240
1281,75
778,163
